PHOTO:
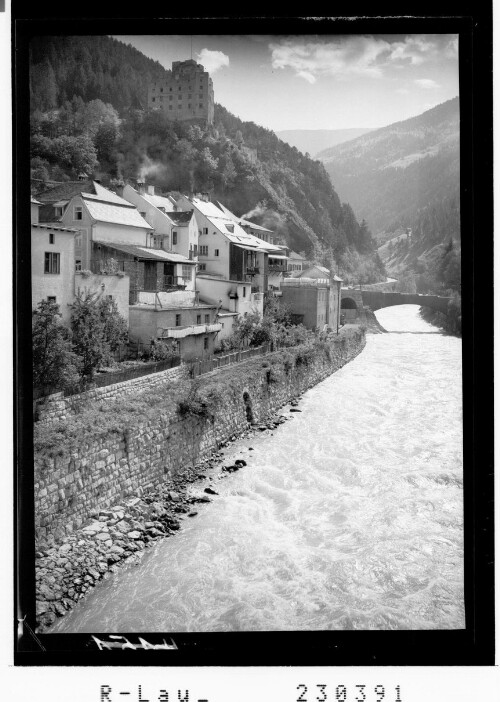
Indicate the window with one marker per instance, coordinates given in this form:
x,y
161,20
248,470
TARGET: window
x,y
52,263
78,241
203,250
195,252
244,292
153,99
178,320
198,319
216,252
186,272
78,265
202,267
230,228
78,211
161,90
51,238
205,230
189,105
200,104
174,238
205,343
58,211
207,319
51,298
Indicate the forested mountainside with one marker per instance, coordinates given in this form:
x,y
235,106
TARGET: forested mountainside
x,y
392,175
88,114
313,141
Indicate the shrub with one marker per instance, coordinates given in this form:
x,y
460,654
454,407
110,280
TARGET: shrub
x,y
98,330
160,351
54,363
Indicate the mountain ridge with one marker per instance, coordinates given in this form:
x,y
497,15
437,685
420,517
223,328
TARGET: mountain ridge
x,y
389,174
313,141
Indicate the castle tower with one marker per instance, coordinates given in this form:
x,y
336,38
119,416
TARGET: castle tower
x,y
187,93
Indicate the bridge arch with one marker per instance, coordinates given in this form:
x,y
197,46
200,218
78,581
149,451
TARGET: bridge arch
x,y
348,304
378,300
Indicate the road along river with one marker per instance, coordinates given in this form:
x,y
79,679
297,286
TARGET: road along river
x,y
347,517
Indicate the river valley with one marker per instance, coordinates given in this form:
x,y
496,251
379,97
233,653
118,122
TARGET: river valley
x,y
349,516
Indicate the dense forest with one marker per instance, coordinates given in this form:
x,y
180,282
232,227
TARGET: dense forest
x,y
88,114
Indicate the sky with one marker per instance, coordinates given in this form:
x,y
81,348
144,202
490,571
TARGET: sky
x,y
319,82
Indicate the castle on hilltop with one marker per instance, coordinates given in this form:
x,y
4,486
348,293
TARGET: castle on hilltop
x,y
187,93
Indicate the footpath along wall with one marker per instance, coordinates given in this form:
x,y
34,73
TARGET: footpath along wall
x,y
119,448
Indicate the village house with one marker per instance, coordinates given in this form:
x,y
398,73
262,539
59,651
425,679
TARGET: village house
x,y
174,230
227,252
277,258
313,302
104,218
52,263
187,326
296,263
53,269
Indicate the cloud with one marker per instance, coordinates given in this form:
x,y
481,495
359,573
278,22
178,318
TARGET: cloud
x,y
427,83
403,91
357,55
340,57
212,60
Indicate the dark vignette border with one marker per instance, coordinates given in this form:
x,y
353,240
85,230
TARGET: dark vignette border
x,y
475,644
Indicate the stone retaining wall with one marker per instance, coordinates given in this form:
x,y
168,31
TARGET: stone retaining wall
x,y
56,407
100,472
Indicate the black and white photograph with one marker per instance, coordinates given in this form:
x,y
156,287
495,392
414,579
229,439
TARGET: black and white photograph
x,y
246,422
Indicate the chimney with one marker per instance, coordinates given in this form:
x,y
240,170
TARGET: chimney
x,y
150,189
205,197
141,186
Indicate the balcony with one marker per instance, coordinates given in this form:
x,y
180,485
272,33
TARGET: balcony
x,y
192,330
173,282
252,270
275,268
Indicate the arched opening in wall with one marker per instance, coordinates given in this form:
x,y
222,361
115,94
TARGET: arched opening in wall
x,y
248,406
348,308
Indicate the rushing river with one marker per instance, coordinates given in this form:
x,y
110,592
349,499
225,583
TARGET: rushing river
x,y
348,517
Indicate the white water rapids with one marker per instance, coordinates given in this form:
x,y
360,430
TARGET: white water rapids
x,y
348,517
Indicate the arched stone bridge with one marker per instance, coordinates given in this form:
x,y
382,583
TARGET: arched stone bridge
x,y
376,300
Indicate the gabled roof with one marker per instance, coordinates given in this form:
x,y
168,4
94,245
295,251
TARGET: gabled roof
x,y
296,256
221,220
109,196
243,222
157,200
146,253
114,212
